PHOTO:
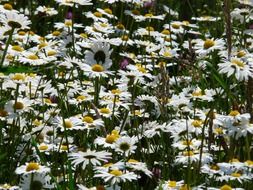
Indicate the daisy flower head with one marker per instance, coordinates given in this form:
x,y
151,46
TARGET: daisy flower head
x,y
47,11
206,18
36,181
89,157
107,12
96,16
138,166
126,145
71,3
91,123
18,106
170,185
31,167
98,57
9,187
109,140
99,53
72,123
115,175
204,47
32,59
15,20
237,67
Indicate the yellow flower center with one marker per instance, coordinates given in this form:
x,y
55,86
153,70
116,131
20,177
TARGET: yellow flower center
x,y
6,186
176,26
124,37
172,184
17,48
31,33
197,93
81,98
116,91
47,100
88,119
197,123
235,174
167,54
188,153
43,147
108,11
84,35
104,25
42,45
18,106
150,28
208,43
36,122
32,166
107,165
135,12
132,161
162,64
21,33
116,172
10,57
32,75
141,68
226,187
105,110
33,57
165,32
19,76
238,62
97,14
137,112
64,147
120,26
56,33
97,68
234,160
115,132
241,54
68,123
149,15
51,53
188,142
215,167
3,113
234,113
185,187
111,138
8,6
249,162
186,23
219,130
68,23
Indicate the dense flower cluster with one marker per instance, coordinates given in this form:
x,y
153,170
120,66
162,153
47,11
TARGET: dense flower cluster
x,y
116,94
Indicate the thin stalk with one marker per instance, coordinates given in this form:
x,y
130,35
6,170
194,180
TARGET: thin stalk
x,y
227,6
6,47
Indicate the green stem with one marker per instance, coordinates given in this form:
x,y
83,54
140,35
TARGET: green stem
x,y
97,90
6,47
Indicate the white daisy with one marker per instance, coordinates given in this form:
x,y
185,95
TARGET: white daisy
x,y
99,53
237,67
15,20
31,167
115,175
203,47
126,145
89,157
